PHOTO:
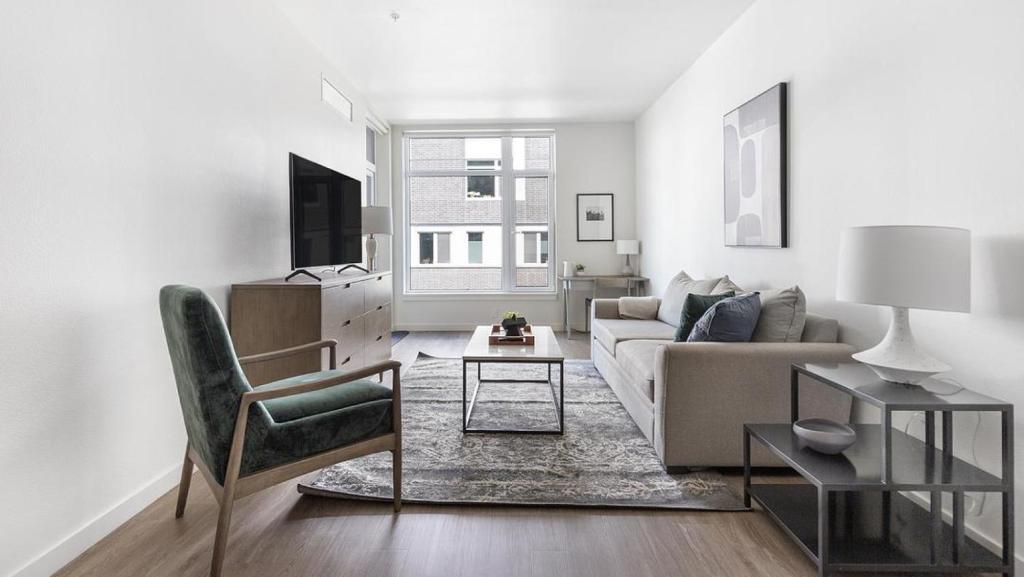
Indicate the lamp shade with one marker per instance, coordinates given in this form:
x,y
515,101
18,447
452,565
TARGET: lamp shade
x,y
920,267
627,247
376,220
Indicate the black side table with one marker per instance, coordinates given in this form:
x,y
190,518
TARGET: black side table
x,y
851,517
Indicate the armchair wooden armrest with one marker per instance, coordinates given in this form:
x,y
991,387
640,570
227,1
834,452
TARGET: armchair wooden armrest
x,y
272,355
300,388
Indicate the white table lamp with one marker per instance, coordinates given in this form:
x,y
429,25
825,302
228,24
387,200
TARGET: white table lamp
x,y
905,267
627,247
376,220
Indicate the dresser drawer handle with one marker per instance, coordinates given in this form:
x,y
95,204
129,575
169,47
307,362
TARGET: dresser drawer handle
x,y
380,337
380,278
348,285
380,308
346,323
347,359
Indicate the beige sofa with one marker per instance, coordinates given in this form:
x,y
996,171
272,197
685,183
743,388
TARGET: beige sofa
x,y
692,399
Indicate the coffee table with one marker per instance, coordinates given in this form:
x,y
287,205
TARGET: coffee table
x,y
545,351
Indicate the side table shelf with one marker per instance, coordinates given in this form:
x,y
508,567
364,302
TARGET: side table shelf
x,y
851,516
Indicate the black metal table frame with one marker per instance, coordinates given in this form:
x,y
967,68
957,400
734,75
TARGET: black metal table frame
x,y
558,400
826,495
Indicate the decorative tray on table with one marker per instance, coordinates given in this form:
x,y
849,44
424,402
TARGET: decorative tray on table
x,y
498,336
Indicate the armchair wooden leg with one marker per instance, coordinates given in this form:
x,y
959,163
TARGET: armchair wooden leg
x,y
396,465
220,542
186,482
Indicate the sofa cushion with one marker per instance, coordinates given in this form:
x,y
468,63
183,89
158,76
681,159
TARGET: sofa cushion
x,y
820,330
675,295
640,308
782,316
637,358
611,332
694,308
728,321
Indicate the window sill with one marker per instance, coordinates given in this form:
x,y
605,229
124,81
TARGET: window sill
x,y
482,296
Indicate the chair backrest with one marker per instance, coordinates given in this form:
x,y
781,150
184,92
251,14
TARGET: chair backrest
x,y
209,378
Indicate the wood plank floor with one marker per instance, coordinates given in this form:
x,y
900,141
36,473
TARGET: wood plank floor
x,y
280,533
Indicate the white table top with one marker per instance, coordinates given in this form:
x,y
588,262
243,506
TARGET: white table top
x,y
545,347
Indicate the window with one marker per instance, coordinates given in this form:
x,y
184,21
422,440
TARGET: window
x,y
435,247
444,247
426,248
370,192
482,186
476,247
494,242
535,248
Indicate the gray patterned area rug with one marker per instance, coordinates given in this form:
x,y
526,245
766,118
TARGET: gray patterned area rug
x,y
602,460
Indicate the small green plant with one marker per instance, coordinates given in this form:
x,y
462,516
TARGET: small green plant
x,y
511,315
580,267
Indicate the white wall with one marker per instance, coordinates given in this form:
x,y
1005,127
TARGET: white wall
x,y
141,144
900,113
589,157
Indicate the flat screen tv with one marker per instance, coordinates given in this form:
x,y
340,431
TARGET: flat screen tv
x,y
326,215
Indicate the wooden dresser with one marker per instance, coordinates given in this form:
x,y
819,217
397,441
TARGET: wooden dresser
x,y
274,314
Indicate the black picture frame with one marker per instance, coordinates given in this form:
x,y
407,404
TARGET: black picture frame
x,y
591,236
731,171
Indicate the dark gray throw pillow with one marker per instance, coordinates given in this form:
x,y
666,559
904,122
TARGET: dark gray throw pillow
x,y
731,320
694,307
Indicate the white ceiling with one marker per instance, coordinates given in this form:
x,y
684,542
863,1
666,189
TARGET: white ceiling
x,y
512,59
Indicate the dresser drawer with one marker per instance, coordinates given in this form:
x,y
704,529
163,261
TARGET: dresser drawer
x,y
378,324
378,351
351,361
378,292
343,303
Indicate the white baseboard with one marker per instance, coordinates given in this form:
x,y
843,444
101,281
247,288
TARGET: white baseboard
x,y
84,537
982,539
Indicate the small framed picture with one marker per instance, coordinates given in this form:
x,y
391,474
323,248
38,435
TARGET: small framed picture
x,y
595,217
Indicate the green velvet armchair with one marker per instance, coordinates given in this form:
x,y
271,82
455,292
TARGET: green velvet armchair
x,y
244,440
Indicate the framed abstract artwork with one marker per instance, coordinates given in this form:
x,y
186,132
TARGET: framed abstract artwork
x,y
595,217
754,148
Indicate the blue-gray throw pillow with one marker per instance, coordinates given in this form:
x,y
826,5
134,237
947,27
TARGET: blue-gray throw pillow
x,y
694,307
730,320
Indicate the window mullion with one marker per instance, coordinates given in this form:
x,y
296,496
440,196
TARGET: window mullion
x,y
508,203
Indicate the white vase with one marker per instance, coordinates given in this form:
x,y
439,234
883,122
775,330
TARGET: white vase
x,y
568,268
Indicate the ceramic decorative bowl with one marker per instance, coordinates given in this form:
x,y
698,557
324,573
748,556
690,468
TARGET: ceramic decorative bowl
x,y
825,436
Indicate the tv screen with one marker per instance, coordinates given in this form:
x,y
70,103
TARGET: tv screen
x,y
326,215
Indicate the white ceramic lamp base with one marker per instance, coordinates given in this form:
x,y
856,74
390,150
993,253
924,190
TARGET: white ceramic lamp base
x,y
371,253
898,358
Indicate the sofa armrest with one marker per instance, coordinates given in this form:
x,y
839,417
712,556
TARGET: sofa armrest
x,y
705,392
605,308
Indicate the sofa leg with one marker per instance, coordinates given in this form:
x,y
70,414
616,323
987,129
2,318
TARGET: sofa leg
x,y
183,486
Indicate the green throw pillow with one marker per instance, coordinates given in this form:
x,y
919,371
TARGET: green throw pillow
x,y
693,308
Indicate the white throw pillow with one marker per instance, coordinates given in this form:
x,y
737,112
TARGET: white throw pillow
x,y
675,295
783,314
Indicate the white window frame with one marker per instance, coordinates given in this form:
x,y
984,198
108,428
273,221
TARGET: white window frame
x,y
507,197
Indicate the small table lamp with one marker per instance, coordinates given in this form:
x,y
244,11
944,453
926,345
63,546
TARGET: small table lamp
x,y
905,267
376,220
627,247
